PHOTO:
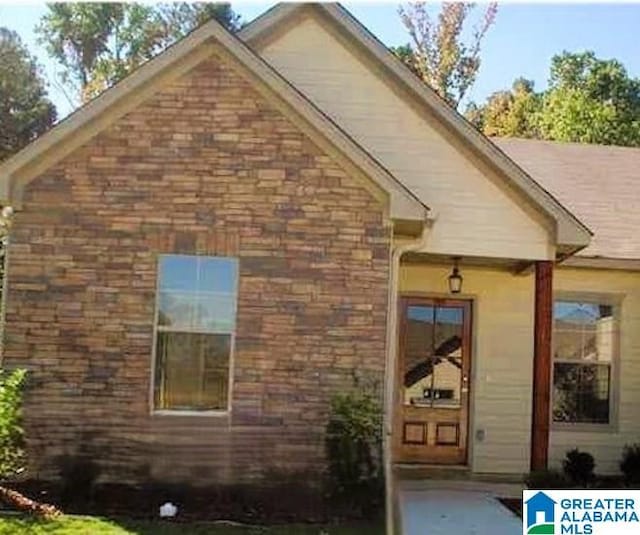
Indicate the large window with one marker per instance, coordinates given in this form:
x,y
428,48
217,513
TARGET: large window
x,y
585,344
195,325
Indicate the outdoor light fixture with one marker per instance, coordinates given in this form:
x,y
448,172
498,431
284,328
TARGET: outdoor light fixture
x,y
455,279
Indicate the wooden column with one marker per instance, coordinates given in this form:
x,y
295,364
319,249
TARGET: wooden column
x,y
543,325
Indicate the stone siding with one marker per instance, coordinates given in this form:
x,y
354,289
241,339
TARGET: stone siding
x,y
205,166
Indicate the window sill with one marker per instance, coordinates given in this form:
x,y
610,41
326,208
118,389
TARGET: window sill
x,y
184,412
584,427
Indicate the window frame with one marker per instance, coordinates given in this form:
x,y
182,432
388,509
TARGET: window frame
x,y
218,413
615,301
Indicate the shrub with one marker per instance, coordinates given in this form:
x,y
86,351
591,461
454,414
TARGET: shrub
x,y
11,437
354,448
578,467
630,464
546,479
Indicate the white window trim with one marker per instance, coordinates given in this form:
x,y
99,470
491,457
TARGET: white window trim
x,y
215,413
615,300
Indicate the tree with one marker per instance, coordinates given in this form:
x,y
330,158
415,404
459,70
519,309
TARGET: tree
x,y
509,113
438,53
25,111
589,100
98,44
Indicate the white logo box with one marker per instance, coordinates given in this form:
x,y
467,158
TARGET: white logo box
x,y
581,512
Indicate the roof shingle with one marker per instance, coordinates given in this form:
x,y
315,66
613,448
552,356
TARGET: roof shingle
x,y
599,184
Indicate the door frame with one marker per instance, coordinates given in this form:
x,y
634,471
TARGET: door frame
x,y
469,305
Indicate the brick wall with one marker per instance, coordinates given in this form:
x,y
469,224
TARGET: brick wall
x,y
205,166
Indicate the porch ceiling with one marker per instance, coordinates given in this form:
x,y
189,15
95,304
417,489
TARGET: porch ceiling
x,y
516,265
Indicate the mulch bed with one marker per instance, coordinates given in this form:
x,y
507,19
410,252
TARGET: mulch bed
x,y
513,504
249,504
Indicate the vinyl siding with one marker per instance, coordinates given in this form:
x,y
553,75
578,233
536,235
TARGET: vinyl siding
x,y
606,444
475,215
501,380
502,360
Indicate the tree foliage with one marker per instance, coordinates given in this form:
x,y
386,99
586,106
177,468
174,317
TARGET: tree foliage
x,y
509,113
11,447
438,52
98,44
25,111
591,100
588,100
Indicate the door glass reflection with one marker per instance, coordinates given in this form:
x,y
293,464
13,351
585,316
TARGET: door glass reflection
x,y
432,374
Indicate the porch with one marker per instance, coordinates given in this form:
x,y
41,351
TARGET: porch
x,y
468,364
454,500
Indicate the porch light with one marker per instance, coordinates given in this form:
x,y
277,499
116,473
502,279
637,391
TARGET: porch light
x,y
455,279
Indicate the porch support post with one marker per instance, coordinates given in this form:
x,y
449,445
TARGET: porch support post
x,y
542,365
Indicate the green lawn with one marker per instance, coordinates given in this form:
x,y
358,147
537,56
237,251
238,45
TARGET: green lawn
x,y
83,525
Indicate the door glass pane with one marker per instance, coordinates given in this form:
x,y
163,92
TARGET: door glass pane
x,y
418,366
433,356
448,332
447,379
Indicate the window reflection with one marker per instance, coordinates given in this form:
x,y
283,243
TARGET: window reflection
x,y
585,342
195,324
433,356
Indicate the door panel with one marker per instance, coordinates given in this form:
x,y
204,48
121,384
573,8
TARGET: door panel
x,y
434,364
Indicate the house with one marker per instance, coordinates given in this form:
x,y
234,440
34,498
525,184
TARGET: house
x,y
203,255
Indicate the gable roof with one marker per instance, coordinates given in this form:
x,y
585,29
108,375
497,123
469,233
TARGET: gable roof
x,y
210,38
571,232
600,184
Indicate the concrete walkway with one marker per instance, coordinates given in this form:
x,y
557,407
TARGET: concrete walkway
x,y
460,512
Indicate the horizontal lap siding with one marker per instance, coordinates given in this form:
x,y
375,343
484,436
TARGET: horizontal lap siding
x,y
475,216
206,166
502,360
606,445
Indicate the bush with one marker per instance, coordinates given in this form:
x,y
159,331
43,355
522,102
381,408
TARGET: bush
x,y
12,455
354,449
578,467
630,464
546,479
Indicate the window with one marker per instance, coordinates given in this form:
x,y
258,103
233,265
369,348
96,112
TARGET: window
x,y
195,325
585,345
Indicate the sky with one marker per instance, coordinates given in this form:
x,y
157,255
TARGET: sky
x,y
521,43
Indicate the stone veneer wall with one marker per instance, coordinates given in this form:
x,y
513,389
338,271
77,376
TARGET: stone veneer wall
x,y
206,166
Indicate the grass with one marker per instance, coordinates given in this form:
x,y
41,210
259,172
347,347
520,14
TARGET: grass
x,y
85,525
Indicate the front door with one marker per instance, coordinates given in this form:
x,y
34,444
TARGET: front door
x,y
433,380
